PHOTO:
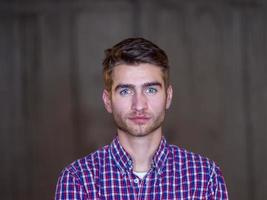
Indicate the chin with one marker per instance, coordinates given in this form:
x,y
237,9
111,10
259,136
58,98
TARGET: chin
x,y
141,133
138,130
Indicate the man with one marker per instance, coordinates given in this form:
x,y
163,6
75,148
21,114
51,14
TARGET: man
x,y
139,163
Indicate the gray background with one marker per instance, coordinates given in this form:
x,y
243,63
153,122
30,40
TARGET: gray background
x,y
51,111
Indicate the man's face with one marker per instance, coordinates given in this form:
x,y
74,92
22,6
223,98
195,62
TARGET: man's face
x,y
138,98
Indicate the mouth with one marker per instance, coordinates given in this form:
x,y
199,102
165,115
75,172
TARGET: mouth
x,y
139,119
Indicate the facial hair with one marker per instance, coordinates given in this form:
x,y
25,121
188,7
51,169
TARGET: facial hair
x,y
125,124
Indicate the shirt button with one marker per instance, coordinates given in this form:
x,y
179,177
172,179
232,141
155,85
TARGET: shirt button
x,y
136,180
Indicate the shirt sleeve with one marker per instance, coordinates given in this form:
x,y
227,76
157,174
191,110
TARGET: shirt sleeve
x,y
69,187
217,188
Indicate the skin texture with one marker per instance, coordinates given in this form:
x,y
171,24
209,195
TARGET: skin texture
x,y
138,101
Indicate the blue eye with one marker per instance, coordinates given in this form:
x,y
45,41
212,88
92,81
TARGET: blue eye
x,y
151,90
125,92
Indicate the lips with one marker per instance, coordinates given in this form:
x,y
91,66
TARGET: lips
x,y
139,119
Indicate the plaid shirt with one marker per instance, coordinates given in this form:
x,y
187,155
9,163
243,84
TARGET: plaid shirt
x,y
108,174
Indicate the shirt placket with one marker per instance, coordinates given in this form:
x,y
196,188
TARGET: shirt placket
x,y
141,184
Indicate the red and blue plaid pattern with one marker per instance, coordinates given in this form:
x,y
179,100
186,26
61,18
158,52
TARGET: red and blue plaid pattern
x,y
175,174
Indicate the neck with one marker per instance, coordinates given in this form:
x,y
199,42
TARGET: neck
x,y
141,149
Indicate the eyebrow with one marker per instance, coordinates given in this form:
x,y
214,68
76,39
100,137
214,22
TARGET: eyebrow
x,y
120,86
156,83
131,86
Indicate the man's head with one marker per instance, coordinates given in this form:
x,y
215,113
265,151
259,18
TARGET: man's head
x,y
134,51
137,89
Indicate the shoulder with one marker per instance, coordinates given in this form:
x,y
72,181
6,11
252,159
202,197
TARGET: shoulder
x,y
189,159
196,165
87,166
81,177
199,171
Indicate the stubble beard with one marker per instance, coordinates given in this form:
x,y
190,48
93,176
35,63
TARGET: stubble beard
x,y
138,130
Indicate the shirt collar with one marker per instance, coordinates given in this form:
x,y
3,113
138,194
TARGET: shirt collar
x,y
161,155
125,163
120,156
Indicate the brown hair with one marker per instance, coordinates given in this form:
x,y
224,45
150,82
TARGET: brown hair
x,y
134,51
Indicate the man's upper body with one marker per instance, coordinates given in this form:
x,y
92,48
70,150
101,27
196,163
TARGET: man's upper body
x,y
139,164
174,174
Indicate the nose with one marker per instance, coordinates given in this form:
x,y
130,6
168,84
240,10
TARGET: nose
x,y
139,102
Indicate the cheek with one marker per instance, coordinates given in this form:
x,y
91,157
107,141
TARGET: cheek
x,y
157,103
121,105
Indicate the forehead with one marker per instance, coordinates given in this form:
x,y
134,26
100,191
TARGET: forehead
x,y
136,74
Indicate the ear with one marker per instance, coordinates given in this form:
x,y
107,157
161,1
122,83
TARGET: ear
x,y
169,96
106,96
